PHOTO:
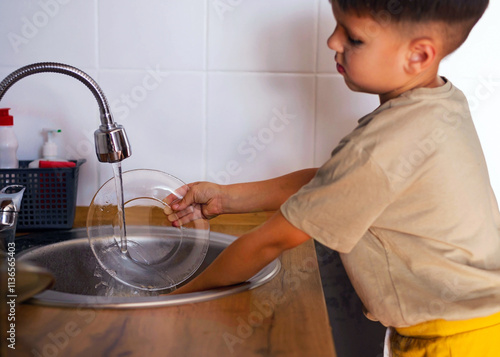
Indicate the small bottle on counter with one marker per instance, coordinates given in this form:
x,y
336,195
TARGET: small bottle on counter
x,y
8,141
49,154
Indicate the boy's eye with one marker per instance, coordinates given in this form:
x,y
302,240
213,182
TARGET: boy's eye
x,y
354,42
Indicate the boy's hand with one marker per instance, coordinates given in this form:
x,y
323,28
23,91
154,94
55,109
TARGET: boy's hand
x,y
200,200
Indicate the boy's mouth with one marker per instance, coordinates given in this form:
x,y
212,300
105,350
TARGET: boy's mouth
x,y
340,68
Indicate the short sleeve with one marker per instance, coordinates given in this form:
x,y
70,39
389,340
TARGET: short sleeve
x,y
338,206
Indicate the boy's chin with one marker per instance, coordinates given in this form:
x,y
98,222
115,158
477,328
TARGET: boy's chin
x,y
354,87
358,88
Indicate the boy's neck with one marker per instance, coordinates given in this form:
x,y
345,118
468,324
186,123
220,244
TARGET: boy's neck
x,y
433,82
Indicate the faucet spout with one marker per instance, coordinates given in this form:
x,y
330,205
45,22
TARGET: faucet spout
x,y
111,141
10,205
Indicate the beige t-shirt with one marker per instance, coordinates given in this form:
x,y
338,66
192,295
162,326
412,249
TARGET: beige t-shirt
x,y
406,200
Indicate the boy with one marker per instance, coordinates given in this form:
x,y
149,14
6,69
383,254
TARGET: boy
x,y
405,198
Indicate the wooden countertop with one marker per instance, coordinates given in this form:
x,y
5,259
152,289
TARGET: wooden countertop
x,y
285,317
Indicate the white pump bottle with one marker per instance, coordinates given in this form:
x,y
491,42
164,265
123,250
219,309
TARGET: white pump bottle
x,y
49,150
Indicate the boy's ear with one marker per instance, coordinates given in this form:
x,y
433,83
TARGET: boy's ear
x,y
422,54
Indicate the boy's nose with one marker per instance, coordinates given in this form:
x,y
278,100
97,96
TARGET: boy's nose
x,y
334,42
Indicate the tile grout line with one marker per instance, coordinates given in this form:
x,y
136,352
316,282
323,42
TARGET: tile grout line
x,y
229,72
205,100
315,103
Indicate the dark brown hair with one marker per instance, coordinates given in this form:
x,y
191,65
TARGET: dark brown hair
x,y
459,15
449,11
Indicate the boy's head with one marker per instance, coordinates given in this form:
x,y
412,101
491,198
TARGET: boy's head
x,y
456,18
387,47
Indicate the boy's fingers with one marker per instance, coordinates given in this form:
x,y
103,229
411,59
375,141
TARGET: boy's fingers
x,y
186,209
184,220
177,195
190,214
185,212
173,216
170,198
185,202
167,210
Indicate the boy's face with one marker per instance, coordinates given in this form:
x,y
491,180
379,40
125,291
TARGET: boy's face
x,y
370,54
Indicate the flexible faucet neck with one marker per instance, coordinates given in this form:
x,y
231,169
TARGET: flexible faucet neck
x,y
107,148
53,67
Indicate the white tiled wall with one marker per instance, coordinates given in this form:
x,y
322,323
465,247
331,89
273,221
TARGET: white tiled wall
x,y
221,90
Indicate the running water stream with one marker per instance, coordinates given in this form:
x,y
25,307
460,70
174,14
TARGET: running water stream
x,y
117,170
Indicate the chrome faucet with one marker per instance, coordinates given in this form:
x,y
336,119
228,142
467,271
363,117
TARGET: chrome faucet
x,y
111,142
10,205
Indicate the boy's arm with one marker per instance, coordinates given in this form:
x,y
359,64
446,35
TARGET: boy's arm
x,y
267,195
206,199
246,256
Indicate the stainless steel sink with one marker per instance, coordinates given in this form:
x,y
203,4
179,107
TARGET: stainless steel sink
x,y
81,282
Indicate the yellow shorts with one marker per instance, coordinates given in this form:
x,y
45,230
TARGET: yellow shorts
x,y
479,337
